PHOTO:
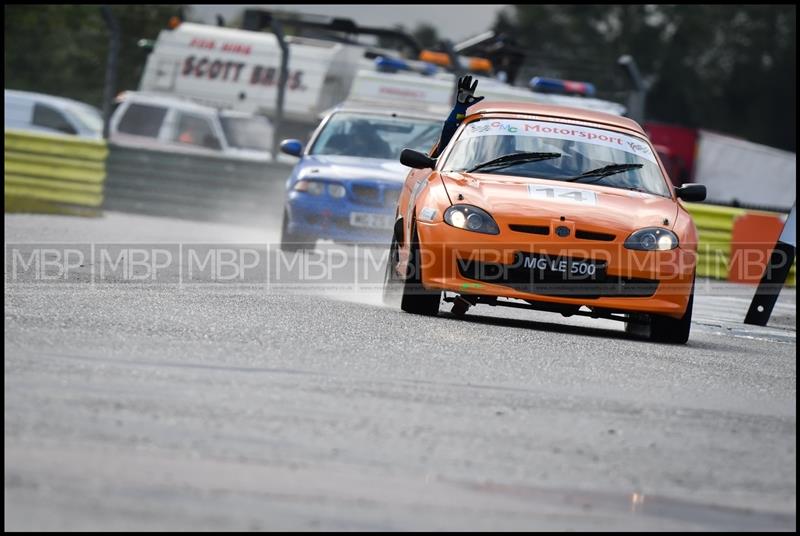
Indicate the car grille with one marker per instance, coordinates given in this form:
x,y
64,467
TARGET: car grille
x,y
533,229
591,235
580,234
367,194
375,194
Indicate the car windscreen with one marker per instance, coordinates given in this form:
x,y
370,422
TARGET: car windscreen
x,y
581,153
375,136
142,120
253,133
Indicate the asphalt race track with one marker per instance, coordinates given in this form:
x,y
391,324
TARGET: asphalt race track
x,y
238,405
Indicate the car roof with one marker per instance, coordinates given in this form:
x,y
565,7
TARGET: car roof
x,y
557,112
164,100
53,100
240,114
383,110
183,103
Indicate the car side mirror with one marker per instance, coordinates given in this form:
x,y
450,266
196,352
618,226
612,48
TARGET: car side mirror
x,y
416,159
292,147
691,192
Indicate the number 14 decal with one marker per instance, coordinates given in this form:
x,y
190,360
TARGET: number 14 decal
x,y
553,193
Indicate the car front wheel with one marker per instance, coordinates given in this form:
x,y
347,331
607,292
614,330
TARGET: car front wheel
x,y
392,283
672,330
416,298
291,242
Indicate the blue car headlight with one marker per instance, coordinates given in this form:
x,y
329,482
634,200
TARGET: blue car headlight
x,y
336,190
652,239
471,218
310,187
317,187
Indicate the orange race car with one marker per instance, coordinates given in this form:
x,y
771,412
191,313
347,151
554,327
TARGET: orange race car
x,y
548,208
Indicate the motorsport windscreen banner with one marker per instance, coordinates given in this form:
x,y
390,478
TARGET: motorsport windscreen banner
x,y
559,131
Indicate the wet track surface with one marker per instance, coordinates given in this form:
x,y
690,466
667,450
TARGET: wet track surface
x,y
250,406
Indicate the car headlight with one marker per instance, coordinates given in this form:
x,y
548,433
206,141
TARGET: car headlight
x,y
309,186
336,190
652,239
471,219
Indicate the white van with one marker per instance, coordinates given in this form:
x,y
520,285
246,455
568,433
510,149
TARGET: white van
x,y
25,110
238,69
175,124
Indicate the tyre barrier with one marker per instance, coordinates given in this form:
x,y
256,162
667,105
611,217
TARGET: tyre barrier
x,y
53,173
734,243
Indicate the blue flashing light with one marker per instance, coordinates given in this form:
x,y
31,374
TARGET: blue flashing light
x,y
564,87
390,65
429,69
386,64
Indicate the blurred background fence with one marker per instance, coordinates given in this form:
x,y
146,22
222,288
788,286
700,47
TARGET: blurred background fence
x,y
201,187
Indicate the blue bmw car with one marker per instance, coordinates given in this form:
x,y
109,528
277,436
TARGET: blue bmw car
x,y
346,185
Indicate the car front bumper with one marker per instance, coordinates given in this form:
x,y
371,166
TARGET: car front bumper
x,y
317,217
455,260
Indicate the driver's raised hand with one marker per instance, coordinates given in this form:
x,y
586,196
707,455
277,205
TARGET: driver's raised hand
x,y
466,91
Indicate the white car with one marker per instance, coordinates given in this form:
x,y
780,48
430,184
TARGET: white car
x,y
171,123
25,110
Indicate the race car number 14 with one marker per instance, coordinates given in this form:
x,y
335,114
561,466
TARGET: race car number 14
x,y
553,193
